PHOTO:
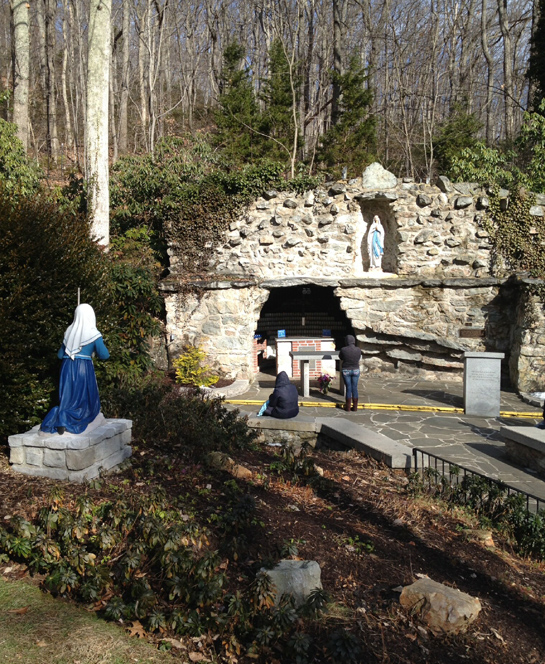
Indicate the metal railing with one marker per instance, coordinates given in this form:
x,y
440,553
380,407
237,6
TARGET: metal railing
x,y
455,474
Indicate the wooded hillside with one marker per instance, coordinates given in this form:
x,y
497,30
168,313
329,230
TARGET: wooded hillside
x,y
393,72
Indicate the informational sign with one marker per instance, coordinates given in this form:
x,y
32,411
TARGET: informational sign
x,y
470,333
326,333
281,334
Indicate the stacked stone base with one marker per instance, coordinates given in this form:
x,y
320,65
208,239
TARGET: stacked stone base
x,y
73,457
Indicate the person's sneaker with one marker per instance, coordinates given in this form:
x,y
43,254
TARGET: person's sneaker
x,y
541,425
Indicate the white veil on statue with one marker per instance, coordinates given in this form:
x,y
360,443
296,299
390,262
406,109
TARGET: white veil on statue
x,y
82,331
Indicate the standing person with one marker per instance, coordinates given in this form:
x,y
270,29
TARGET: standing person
x,y
284,401
350,356
79,403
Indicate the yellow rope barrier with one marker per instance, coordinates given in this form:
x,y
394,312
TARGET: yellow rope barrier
x,y
387,406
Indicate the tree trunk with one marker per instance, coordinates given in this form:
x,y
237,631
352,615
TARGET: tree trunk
x,y
52,136
40,20
21,47
68,136
508,91
337,59
490,69
124,100
96,135
143,68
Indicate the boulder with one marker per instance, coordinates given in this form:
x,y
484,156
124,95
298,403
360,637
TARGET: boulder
x,y
377,177
444,184
295,577
424,235
422,200
446,610
337,189
462,202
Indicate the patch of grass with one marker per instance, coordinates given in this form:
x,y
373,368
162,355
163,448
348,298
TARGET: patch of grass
x,y
57,632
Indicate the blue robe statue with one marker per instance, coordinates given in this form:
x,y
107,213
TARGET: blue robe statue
x,y
79,403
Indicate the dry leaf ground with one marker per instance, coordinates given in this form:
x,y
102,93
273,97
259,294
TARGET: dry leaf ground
x,y
368,534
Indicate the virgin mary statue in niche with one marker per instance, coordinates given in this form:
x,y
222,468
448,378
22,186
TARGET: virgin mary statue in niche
x,y
79,403
375,244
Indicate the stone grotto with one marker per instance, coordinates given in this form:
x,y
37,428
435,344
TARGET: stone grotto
x,y
296,270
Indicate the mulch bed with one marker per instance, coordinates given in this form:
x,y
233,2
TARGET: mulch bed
x,y
369,537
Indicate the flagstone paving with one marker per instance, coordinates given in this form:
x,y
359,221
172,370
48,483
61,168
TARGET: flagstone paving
x,y
472,442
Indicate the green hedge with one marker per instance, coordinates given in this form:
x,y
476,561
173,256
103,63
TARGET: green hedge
x,y
44,256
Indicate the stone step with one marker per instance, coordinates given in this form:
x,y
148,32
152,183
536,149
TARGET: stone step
x,y
298,423
376,445
528,436
526,447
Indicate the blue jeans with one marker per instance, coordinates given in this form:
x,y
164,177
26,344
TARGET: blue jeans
x,y
350,377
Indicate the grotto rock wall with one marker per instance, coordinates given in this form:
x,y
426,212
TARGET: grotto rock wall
x,y
430,230
404,325
409,318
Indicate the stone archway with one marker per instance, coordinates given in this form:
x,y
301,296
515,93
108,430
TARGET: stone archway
x,y
309,314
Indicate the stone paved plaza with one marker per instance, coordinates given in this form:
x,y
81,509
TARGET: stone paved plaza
x,y
472,442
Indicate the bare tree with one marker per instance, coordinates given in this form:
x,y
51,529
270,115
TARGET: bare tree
x,y
21,63
96,127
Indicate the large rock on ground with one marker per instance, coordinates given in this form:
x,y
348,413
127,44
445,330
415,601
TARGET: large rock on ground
x,y
445,610
295,577
377,177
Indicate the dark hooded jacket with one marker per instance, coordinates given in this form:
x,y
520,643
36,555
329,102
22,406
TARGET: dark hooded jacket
x,y
350,354
283,402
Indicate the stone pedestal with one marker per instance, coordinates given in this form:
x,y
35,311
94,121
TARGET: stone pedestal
x,y
74,457
482,377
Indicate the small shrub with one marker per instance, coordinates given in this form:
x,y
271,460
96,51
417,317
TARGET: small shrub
x,y
190,369
343,646
493,505
160,413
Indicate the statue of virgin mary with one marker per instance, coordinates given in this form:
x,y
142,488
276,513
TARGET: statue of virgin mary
x,y
79,403
375,244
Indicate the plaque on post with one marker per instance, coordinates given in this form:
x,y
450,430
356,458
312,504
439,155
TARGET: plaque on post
x,y
482,375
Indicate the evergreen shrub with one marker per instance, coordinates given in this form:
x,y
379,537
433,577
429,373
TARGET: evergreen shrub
x,y
162,415
18,175
190,369
44,257
148,558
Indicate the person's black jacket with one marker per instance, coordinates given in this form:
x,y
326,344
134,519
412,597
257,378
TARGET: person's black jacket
x,y
283,402
350,354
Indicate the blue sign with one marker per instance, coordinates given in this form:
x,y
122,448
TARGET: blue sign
x,y
281,333
326,333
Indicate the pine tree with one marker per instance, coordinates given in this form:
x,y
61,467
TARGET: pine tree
x,y
351,142
278,119
237,117
458,132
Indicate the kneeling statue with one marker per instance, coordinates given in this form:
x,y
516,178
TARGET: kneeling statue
x,y
79,403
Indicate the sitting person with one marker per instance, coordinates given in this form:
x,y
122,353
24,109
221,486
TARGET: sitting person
x,y
283,402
